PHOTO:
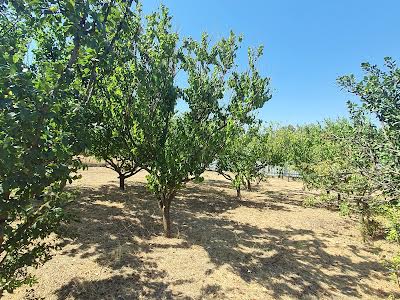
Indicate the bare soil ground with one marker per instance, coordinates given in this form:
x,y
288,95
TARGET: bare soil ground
x,y
266,246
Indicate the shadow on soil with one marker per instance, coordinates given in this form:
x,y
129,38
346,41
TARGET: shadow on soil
x,y
288,262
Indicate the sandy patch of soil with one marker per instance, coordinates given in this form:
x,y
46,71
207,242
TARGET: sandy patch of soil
x,y
266,246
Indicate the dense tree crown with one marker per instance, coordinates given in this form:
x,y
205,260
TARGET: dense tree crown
x,y
51,54
249,151
359,158
141,95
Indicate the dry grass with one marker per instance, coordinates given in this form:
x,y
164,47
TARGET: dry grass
x,y
266,246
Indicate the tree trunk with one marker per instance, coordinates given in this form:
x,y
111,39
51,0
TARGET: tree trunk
x,y
2,221
365,220
238,194
3,218
248,185
165,200
121,182
166,221
363,229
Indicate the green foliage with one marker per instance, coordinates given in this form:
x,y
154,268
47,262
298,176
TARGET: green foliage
x,y
98,77
50,53
142,94
328,160
393,216
107,142
242,159
248,152
311,201
279,146
379,147
344,208
320,158
394,268
360,158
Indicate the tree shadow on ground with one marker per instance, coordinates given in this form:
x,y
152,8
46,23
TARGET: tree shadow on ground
x,y
104,227
225,184
270,199
220,183
208,200
289,262
116,287
288,197
113,228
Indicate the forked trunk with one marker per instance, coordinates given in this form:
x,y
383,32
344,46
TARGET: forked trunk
x,y
121,182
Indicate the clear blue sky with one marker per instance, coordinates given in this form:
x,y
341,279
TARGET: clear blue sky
x,y
308,44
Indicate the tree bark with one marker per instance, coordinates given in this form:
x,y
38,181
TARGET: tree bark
x,y
166,221
2,221
365,220
238,194
3,218
248,185
165,200
363,229
121,182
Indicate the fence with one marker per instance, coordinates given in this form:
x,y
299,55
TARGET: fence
x,y
275,171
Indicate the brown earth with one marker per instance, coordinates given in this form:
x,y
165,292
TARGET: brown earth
x,y
266,246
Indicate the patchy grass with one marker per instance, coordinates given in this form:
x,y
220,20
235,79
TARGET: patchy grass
x,y
265,246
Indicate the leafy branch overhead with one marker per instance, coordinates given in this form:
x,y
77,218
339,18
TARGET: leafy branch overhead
x,y
52,53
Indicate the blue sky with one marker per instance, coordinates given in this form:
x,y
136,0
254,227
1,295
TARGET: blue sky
x,y
307,45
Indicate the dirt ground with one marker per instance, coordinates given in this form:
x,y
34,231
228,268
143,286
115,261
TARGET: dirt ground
x,y
266,246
